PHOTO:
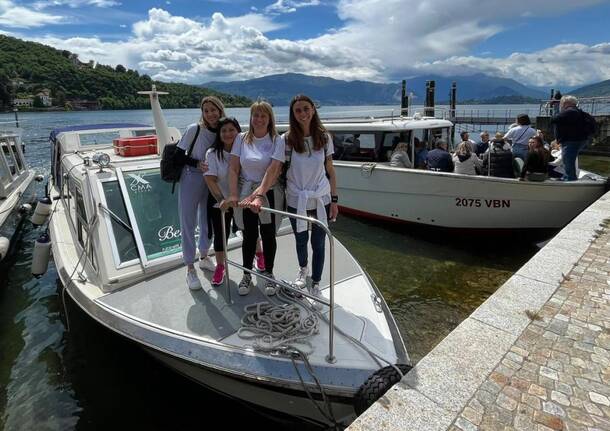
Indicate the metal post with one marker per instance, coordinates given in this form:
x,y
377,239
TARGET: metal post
x,y
226,249
15,110
430,88
404,101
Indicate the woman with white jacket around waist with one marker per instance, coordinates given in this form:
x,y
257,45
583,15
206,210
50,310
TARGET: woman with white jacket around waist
x,y
256,162
194,190
311,187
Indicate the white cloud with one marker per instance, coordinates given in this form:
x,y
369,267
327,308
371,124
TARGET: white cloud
x,y
566,64
379,40
43,4
14,16
289,6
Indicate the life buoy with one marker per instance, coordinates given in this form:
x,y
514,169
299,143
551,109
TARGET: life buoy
x,y
377,385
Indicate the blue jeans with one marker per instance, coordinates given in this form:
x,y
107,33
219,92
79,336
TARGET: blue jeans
x,y
318,242
569,153
520,151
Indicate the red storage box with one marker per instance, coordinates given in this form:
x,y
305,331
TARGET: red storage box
x,y
138,146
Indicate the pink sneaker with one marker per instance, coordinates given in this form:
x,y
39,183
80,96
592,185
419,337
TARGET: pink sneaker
x,y
219,275
260,261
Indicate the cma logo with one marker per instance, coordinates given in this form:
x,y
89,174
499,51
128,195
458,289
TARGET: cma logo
x,y
139,184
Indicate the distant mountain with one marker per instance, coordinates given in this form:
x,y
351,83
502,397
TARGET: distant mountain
x,y
593,90
279,89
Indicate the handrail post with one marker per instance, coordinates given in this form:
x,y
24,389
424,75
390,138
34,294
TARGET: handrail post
x,y
226,250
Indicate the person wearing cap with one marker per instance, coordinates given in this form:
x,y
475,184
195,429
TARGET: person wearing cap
x,y
520,135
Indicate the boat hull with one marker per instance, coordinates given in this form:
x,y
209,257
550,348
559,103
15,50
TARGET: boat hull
x,y
11,215
461,201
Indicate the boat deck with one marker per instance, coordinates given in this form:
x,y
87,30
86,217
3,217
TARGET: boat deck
x,y
165,303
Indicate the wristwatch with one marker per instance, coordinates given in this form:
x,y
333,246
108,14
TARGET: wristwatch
x,y
334,198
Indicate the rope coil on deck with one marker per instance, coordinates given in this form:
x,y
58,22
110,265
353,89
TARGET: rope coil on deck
x,y
278,327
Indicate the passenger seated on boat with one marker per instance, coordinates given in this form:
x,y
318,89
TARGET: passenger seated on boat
x,y
483,146
400,156
439,159
421,154
498,159
556,167
466,162
536,163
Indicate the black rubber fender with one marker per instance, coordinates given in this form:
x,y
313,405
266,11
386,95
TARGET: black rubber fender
x,y
377,385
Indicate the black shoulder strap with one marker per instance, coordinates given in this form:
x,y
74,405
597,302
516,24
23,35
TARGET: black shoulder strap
x,y
194,140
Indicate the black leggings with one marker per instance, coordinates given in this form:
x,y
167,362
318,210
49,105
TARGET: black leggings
x,y
214,214
251,228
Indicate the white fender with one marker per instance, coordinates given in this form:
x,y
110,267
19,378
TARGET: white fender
x,y
42,211
4,246
41,254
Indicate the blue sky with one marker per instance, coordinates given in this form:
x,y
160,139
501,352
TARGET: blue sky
x,y
537,42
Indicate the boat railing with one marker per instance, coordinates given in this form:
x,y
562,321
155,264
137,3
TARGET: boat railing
x,y
330,303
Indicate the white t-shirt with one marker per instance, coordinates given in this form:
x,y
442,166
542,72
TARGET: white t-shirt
x,y
307,171
520,135
204,141
219,168
255,158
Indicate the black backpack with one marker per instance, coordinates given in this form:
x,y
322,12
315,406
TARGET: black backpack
x,y
589,125
171,167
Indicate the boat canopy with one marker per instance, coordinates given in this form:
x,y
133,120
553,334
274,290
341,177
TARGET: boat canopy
x,y
82,127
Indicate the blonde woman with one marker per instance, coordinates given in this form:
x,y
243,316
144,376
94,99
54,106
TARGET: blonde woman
x,y
465,161
194,190
400,157
256,162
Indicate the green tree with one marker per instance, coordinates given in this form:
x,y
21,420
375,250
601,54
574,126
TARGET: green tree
x,y
38,102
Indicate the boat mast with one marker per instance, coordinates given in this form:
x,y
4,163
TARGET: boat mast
x,y
163,134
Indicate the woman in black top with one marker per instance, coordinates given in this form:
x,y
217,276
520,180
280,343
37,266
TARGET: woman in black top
x,y
536,163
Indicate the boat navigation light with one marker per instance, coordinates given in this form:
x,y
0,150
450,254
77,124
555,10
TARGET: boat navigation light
x,y
102,160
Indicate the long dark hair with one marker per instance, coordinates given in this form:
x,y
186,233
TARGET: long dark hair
x,y
295,136
218,145
539,148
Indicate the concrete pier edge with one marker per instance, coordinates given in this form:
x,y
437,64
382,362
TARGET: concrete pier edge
x,y
440,386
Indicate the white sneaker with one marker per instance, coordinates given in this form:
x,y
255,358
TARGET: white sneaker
x,y
192,281
206,264
315,291
244,285
301,279
270,286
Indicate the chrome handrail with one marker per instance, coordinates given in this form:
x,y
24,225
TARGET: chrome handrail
x,y
330,358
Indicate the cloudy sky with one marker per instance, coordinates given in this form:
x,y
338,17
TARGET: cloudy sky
x,y
537,42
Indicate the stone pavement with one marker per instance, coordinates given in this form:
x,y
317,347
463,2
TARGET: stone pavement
x,y
556,376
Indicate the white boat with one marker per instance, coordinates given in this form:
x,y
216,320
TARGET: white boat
x,y
16,190
116,244
368,186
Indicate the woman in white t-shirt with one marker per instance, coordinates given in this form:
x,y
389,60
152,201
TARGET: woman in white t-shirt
x,y
193,197
256,162
311,187
519,136
217,179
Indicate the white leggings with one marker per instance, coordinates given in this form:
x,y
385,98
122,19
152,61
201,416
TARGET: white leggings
x,y
193,212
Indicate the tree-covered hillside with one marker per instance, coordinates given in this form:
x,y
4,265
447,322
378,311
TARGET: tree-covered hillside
x,y
27,68
594,90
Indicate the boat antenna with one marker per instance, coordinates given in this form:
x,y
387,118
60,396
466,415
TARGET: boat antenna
x,y
163,134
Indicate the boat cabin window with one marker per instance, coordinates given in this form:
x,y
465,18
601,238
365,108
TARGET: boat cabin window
x,y
354,146
101,138
153,213
11,155
120,227
390,140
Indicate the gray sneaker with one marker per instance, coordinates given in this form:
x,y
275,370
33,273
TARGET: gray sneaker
x,y
270,286
301,279
244,285
315,291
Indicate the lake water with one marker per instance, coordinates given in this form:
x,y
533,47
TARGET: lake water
x,y
91,379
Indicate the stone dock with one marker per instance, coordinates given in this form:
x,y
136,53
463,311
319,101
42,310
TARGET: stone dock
x,y
534,356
